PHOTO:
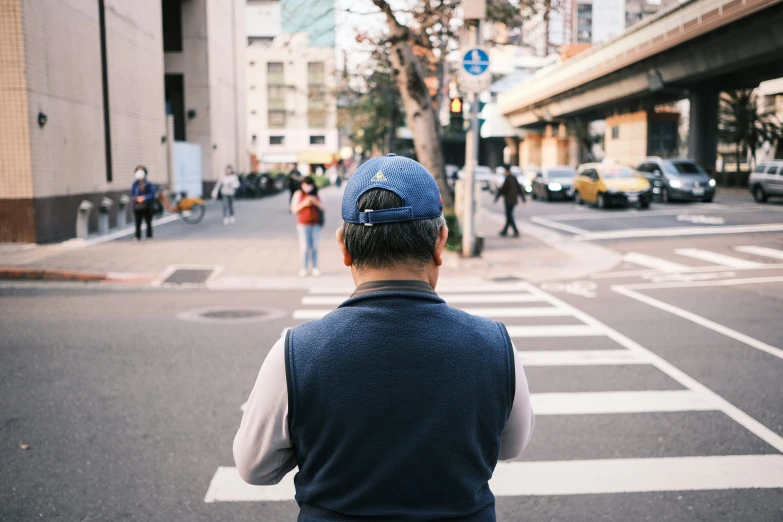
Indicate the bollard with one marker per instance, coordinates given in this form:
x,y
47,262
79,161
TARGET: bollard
x,y
83,219
104,212
122,211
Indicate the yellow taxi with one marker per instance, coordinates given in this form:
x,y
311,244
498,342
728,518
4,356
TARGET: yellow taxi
x,y
606,184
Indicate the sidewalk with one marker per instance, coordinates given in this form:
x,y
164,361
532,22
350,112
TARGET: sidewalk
x,y
261,250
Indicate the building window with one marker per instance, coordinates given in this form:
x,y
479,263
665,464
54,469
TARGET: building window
x,y
252,63
315,73
172,25
275,73
253,113
174,85
277,140
615,132
584,23
276,119
275,97
317,140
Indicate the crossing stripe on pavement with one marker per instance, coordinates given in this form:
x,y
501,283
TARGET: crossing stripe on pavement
x,y
718,259
760,251
581,358
569,477
544,311
556,330
322,300
621,402
656,263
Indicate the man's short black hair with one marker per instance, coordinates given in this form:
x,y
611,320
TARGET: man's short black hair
x,y
386,245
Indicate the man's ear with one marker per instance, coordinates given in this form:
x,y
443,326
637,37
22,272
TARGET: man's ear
x,y
437,254
347,260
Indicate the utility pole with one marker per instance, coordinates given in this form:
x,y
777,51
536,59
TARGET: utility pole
x,y
474,78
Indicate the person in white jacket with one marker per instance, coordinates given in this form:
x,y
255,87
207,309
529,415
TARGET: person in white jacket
x,y
227,185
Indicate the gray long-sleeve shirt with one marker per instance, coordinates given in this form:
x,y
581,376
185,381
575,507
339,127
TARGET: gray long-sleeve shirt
x,y
264,452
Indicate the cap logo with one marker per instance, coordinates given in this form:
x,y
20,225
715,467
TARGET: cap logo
x,y
379,177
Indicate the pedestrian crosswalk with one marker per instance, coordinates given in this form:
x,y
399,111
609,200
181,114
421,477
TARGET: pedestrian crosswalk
x,y
577,342
748,257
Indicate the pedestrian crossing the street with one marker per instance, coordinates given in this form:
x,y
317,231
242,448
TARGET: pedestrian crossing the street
x,y
553,336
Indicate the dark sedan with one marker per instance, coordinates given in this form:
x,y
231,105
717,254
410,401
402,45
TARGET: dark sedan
x,y
554,183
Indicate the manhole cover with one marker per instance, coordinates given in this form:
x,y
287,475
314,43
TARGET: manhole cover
x,y
230,315
233,314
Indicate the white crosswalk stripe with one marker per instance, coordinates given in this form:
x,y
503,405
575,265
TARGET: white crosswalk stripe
x,y
570,477
656,263
718,259
761,251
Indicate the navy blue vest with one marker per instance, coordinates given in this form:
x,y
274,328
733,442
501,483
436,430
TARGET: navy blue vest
x,y
396,406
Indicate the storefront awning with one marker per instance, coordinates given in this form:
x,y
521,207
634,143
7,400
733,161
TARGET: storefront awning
x,y
315,157
277,158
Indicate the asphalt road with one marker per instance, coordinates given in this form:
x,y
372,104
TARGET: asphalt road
x,y
657,386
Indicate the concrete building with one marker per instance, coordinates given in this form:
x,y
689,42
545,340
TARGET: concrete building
x,y
292,111
204,44
83,97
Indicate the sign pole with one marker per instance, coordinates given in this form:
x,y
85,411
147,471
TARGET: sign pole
x,y
471,160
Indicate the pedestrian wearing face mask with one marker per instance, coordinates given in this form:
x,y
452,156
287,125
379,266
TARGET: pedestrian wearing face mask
x,y
143,197
307,207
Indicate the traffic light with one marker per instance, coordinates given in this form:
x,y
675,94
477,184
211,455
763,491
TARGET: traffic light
x,y
455,111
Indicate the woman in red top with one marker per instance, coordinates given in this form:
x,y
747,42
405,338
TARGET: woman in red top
x,y
307,207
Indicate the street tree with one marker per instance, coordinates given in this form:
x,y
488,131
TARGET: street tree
x,y
433,26
746,123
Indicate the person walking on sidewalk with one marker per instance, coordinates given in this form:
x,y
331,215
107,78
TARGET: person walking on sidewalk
x,y
394,406
307,207
294,181
143,197
227,186
510,190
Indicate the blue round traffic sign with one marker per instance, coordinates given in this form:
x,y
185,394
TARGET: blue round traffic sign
x,y
475,61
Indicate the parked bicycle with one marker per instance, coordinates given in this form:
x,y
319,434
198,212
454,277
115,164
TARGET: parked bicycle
x,y
191,210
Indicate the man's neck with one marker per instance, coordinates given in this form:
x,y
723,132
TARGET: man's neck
x,y
390,274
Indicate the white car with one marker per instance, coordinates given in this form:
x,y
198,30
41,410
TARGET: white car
x,y
482,175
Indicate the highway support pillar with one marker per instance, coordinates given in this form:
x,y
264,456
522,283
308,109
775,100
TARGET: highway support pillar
x,y
703,127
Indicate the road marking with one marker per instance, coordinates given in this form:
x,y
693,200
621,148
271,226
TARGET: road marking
x,y
739,416
580,357
581,477
557,330
702,321
544,311
559,226
656,263
689,284
701,219
581,288
449,298
568,477
760,251
594,403
622,273
718,259
661,278
679,231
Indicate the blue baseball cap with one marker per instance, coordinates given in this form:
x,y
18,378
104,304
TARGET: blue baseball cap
x,y
403,176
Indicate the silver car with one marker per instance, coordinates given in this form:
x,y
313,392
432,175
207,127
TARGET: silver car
x,y
766,180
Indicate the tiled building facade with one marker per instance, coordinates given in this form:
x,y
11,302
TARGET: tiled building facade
x,y
83,101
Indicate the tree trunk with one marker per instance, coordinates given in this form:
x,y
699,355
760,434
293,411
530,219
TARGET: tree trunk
x,y
738,156
417,102
394,122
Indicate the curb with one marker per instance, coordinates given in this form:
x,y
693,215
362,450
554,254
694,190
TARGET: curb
x,y
37,274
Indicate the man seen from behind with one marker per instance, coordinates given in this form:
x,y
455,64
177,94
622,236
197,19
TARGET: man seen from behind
x,y
394,406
